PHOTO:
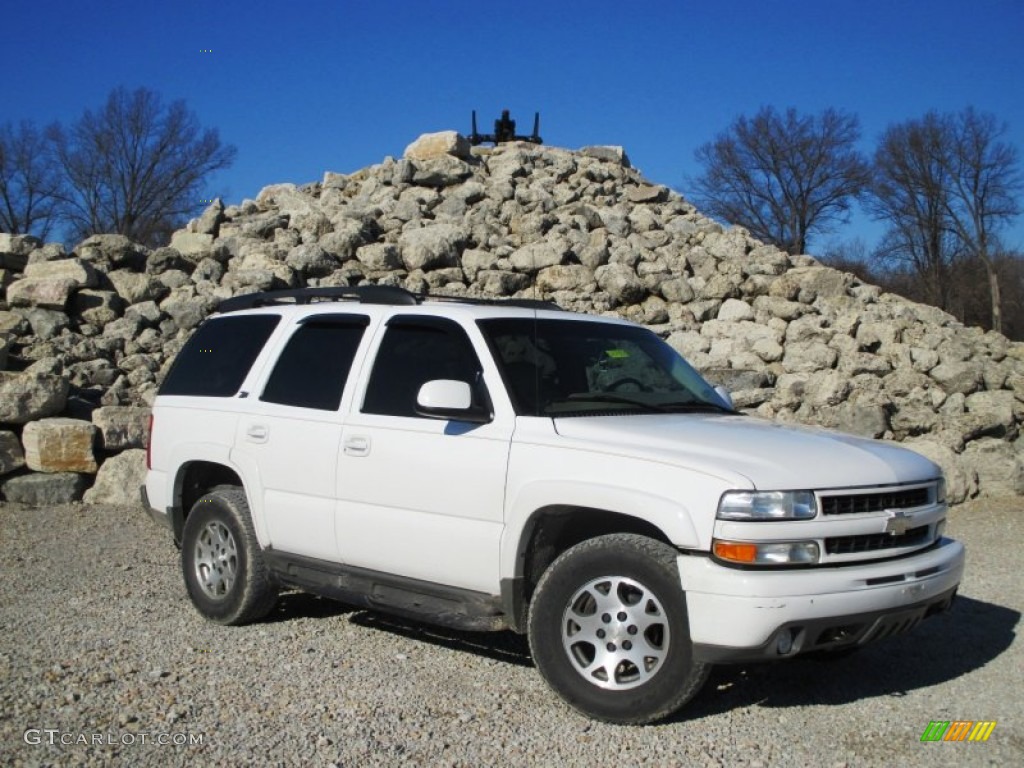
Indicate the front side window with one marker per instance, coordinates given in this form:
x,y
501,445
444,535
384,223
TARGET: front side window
x,y
314,365
581,368
413,352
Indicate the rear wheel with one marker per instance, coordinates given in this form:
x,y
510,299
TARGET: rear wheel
x,y
225,575
609,632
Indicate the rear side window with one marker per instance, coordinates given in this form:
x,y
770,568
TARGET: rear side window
x,y
217,358
312,370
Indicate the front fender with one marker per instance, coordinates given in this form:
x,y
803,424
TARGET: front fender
x,y
668,515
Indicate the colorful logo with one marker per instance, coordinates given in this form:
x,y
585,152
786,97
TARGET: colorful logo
x,y
958,730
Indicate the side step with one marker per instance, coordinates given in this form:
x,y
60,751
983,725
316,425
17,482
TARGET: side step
x,y
412,598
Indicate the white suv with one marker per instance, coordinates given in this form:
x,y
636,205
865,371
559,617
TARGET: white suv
x,y
507,465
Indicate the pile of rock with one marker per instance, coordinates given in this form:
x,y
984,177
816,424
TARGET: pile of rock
x,y
86,336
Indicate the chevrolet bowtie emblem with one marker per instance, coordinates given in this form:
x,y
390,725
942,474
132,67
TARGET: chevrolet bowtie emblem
x,y
898,524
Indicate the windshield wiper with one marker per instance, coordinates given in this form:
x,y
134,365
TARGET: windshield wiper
x,y
611,397
701,406
674,406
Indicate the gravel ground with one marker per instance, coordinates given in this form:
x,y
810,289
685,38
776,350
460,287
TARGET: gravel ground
x,y
98,642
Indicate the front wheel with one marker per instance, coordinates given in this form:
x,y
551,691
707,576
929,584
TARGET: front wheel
x,y
221,560
609,632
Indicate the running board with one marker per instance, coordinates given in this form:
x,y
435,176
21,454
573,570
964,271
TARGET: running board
x,y
412,598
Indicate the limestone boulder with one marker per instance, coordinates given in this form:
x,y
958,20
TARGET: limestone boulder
x,y
49,293
12,456
44,490
27,396
440,144
122,427
431,247
119,479
60,445
998,464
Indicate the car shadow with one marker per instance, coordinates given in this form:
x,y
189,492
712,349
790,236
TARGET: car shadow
x,y
296,605
500,646
967,637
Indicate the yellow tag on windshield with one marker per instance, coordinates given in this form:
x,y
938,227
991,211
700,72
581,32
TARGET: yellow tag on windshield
x,y
617,354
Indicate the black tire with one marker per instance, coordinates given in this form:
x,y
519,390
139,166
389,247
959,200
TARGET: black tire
x,y
225,575
645,671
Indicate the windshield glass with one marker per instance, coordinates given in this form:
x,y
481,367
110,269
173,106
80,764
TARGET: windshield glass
x,y
580,368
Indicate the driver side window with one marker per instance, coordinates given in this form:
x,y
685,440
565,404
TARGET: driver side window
x,y
413,352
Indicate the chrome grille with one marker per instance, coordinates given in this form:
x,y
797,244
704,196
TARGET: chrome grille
x,y
872,542
875,501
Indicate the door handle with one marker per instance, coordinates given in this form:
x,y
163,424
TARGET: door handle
x,y
357,445
257,433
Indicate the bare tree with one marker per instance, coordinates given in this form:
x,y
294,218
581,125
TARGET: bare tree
x,y
136,167
985,183
783,177
910,190
30,181
946,184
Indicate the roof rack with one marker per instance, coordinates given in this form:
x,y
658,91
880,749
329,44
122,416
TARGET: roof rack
x,y
366,294
520,303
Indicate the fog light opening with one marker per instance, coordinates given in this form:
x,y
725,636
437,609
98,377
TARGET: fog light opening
x,y
784,642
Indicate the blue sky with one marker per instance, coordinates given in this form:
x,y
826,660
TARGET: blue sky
x,y
306,86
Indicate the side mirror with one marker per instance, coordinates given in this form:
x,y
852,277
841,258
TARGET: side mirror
x,y
723,393
450,400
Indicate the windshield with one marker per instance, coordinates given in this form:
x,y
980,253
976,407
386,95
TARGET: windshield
x,y
581,368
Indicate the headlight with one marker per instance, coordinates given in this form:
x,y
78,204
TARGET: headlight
x,y
940,491
767,505
767,553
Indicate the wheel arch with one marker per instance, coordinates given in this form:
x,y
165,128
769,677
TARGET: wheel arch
x,y
192,480
535,539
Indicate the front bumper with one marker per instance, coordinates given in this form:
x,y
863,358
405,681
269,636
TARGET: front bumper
x,y
740,615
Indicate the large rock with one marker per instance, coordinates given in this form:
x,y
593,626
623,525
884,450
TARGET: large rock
x,y
97,307
36,490
122,427
621,283
113,251
12,457
49,293
380,257
134,287
27,396
431,145
15,250
961,479
119,479
81,272
999,466
432,247
195,245
59,445
443,171
209,223
537,256
566,277
963,377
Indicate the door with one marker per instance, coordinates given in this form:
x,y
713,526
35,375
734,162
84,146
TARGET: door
x,y
292,432
422,497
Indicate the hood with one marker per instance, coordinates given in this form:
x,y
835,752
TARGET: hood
x,y
771,456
